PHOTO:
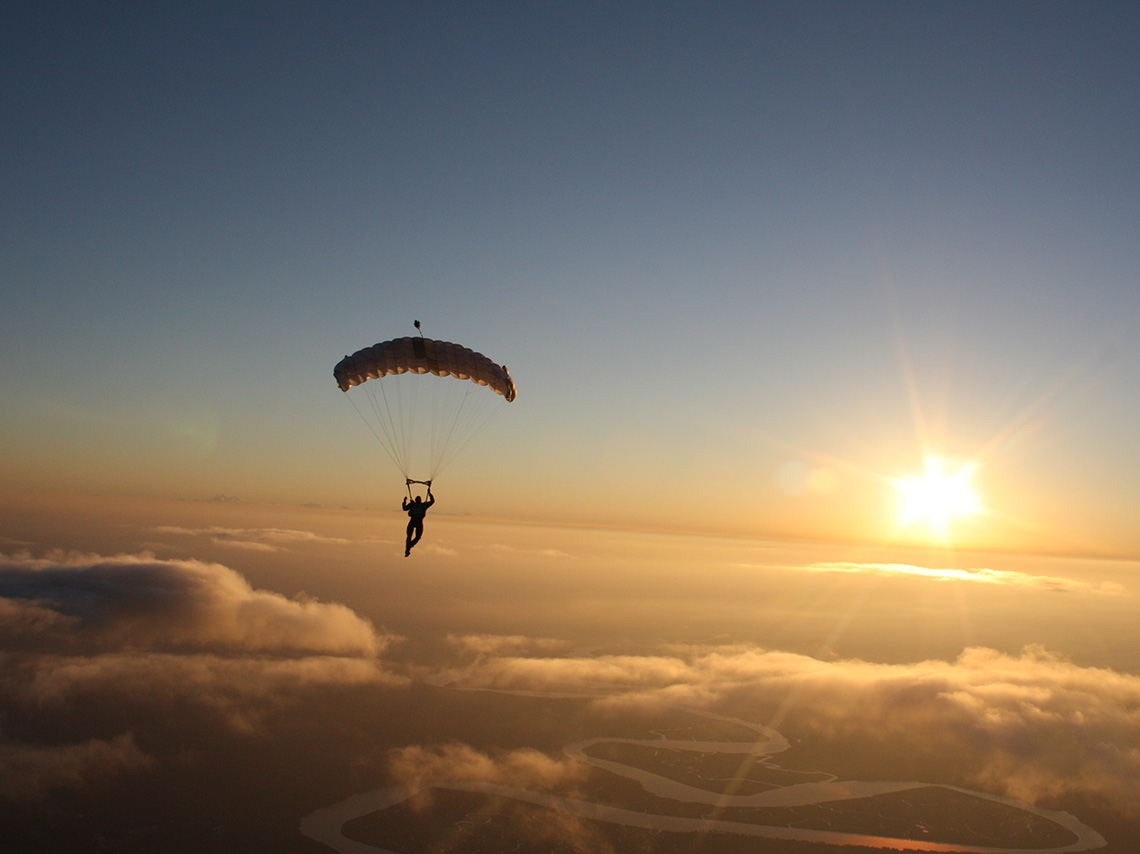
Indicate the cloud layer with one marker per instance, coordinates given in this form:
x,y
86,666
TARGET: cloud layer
x,y
92,643
1032,726
141,602
523,768
25,769
255,539
980,575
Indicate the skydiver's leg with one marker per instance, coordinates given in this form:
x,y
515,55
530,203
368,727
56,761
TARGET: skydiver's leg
x,y
408,541
419,531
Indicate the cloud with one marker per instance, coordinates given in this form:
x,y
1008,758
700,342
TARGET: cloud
x,y
236,692
147,603
103,647
547,552
255,539
1031,726
980,575
29,771
624,673
524,768
486,644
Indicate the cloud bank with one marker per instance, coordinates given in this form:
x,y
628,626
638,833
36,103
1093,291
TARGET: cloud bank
x,y
1032,726
146,603
980,575
487,644
255,539
26,769
524,768
134,639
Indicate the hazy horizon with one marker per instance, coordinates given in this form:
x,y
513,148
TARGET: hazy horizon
x,y
219,633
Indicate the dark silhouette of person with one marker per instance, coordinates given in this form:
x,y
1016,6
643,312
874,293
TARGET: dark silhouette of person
x,y
416,511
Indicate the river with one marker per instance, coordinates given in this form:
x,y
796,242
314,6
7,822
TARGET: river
x,y
325,825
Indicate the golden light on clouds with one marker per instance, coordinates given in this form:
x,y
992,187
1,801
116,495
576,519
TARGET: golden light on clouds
x,y
982,575
937,497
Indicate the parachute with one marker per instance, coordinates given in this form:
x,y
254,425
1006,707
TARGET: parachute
x,y
424,400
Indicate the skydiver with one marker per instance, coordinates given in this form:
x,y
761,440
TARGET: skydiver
x,y
416,511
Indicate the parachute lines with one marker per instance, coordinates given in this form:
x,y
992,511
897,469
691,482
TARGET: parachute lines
x,y
464,394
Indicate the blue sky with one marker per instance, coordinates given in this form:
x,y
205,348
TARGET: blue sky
x,y
711,241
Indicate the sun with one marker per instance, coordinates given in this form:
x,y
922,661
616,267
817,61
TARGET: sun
x,y
937,497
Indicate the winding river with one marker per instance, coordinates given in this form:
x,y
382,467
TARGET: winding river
x,y
325,825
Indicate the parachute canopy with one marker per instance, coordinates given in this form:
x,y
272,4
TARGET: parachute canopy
x,y
423,422
422,356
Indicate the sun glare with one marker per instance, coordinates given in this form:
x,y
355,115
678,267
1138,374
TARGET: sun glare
x,y
937,497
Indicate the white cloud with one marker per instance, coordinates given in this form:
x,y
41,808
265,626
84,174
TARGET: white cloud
x,y
1031,726
979,575
155,644
256,539
487,644
147,603
525,768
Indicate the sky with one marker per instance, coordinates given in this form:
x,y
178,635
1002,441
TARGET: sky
x,y
825,326
720,249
